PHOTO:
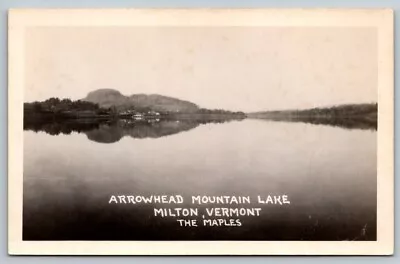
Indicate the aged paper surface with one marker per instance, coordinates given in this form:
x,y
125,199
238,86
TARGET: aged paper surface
x,y
201,132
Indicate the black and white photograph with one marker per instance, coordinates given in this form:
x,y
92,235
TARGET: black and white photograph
x,y
193,132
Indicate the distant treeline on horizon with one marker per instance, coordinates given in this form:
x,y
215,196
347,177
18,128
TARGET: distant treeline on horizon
x,y
336,110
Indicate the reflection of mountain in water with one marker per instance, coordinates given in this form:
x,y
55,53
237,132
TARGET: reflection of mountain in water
x,y
107,131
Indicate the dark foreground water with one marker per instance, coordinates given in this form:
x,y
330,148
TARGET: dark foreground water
x,y
328,174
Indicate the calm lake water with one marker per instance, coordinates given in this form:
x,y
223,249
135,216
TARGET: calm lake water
x,y
328,174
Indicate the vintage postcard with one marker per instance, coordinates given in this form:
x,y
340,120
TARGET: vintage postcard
x,y
201,132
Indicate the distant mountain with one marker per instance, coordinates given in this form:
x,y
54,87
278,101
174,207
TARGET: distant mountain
x,y
109,97
106,98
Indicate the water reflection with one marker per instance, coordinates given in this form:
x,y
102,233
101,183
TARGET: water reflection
x,y
347,123
110,131
328,173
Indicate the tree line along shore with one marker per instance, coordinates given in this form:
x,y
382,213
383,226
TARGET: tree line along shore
x,y
109,104
55,108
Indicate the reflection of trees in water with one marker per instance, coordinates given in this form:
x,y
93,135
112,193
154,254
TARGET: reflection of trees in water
x,y
347,123
110,131
56,127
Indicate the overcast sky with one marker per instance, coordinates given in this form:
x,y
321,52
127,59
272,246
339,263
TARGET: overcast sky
x,y
233,68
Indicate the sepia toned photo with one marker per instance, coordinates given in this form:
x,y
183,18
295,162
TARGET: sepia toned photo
x,y
196,129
